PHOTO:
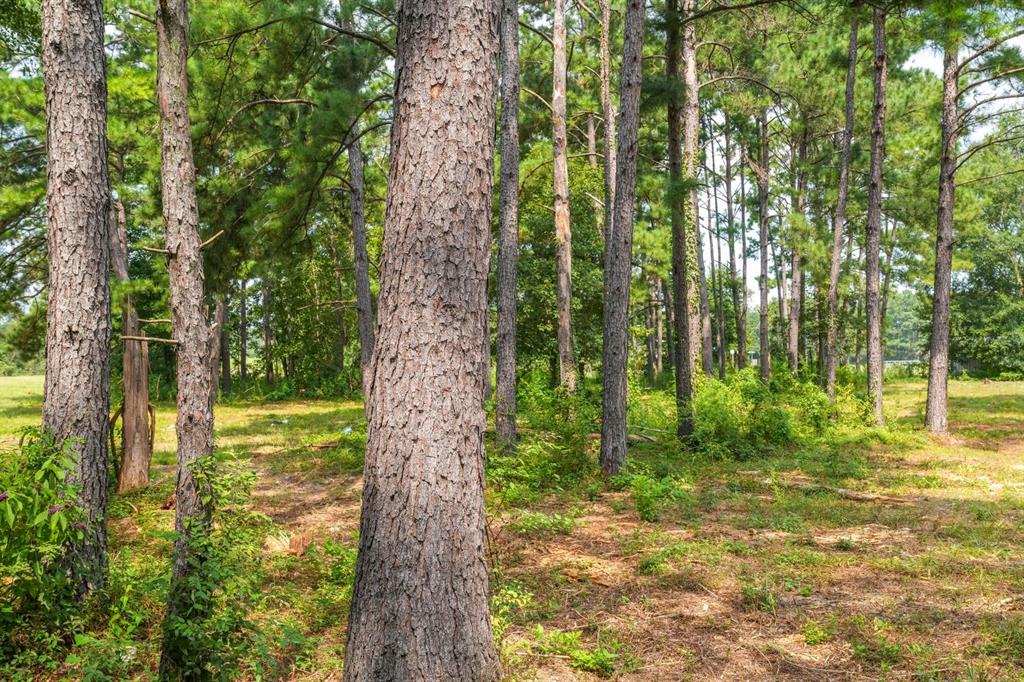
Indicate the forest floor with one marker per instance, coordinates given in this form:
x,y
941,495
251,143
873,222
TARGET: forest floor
x,y
772,568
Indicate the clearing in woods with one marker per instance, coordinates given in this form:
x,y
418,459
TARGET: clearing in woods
x,y
774,568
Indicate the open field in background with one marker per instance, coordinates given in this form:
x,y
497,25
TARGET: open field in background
x,y
770,568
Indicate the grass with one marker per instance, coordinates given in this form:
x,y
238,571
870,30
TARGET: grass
x,y
685,568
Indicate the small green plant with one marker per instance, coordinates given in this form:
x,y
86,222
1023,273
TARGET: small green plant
x,y
653,496
604,659
815,633
759,598
541,523
845,544
1006,638
38,519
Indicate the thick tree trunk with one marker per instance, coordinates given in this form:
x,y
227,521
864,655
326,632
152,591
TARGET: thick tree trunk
x,y
679,198
191,331
268,337
872,307
243,332
136,448
76,393
938,362
563,230
420,602
618,248
364,299
838,224
508,229
608,112
765,361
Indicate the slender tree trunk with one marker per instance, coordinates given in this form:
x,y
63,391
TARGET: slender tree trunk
x,y
189,324
608,112
618,248
679,198
734,284
706,349
838,224
136,448
225,353
420,599
508,228
216,344
340,338
243,332
563,230
799,209
876,366
592,160
762,218
697,289
268,337
670,324
361,261
76,393
938,361
715,251
741,327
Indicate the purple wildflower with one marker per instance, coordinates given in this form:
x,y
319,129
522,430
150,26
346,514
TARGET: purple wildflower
x,y
56,508
80,526
3,496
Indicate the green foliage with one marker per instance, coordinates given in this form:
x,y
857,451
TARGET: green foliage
x,y
38,519
602,659
652,496
759,597
531,522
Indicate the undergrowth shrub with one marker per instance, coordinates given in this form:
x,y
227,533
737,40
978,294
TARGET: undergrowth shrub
x,y
38,519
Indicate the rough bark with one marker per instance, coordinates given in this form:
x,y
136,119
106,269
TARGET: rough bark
x,y
872,306
364,298
508,229
420,603
697,290
679,199
563,229
618,249
838,225
608,111
938,361
194,425
243,331
765,361
76,394
136,448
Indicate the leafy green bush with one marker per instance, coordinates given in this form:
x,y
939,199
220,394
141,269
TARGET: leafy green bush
x,y
38,518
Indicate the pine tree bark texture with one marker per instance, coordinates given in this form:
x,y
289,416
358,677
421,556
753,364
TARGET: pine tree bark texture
x,y
76,393
838,225
420,603
697,287
938,361
618,249
194,424
876,363
563,228
364,297
508,229
608,111
799,211
136,447
734,282
681,280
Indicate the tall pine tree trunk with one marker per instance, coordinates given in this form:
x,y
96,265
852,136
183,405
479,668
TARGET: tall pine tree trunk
x,y
876,363
799,209
741,322
225,352
508,229
191,331
938,362
76,393
734,283
136,448
268,337
563,229
420,599
679,199
220,314
364,298
608,112
618,248
762,226
697,288
243,331
832,323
